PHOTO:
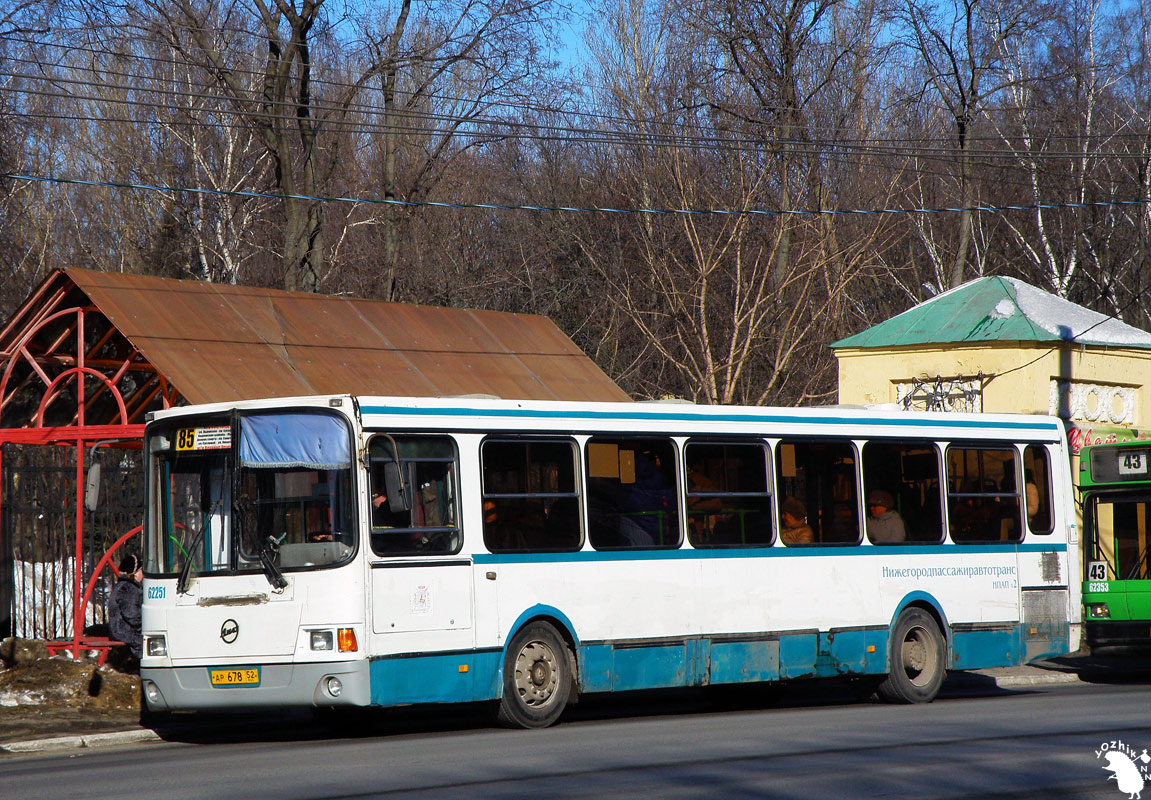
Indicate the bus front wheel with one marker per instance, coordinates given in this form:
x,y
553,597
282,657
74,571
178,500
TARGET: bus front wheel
x,y
918,659
537,678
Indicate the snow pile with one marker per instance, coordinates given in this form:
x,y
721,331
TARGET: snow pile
x,y
1071,322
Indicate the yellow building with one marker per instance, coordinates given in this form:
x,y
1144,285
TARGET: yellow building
x,y
1000,345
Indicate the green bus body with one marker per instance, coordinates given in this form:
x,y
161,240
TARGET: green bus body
x,y
1115,483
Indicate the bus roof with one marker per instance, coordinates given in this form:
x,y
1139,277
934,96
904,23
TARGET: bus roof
x,y
1115,464
485,413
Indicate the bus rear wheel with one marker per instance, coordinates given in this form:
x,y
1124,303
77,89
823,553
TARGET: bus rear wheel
x,y
918,659
537,678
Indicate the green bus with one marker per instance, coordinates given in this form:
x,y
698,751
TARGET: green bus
x,y
1115,484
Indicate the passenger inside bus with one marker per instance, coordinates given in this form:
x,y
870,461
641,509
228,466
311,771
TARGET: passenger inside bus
x,y
793,522
427,524
644,505
884,525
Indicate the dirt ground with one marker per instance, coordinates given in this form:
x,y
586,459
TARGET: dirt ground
x,y
32,681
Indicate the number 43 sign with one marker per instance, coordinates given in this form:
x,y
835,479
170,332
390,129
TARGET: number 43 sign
x,y
1133,463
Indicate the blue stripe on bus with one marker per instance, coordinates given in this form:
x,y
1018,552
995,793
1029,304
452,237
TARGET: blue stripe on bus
x,y
459,677
761,552
682,416
694,662
986,649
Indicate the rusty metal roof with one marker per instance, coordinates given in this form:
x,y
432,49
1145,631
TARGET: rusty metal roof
x,y
216,342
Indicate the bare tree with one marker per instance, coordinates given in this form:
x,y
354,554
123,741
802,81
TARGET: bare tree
x,y
960,48
447,79
709,294
281,112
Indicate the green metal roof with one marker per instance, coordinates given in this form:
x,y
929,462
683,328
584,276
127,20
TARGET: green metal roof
x,y
998,309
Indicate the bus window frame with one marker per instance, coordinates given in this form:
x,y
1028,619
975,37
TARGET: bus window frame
x,y
781,497
1092,548
674,492
1014,447
938,452
490,500
688,494
452,534
1045,491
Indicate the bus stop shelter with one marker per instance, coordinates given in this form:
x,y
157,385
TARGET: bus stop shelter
x,y
88,355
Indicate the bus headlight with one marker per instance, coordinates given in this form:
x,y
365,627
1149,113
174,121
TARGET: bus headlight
x,y
334,686
321,640
156,645
1098,611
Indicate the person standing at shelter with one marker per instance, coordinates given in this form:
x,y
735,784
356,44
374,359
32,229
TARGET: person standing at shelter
x,y
124,604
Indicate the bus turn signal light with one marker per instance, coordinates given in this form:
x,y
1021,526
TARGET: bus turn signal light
x,y
346,637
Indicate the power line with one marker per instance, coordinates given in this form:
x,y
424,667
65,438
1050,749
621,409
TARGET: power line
x,y
874,146
473,126
578,209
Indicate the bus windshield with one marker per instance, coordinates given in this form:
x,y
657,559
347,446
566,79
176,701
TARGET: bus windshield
x,y
266,492
1119,534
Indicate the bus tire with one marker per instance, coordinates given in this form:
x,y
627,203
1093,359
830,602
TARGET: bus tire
x,y
918,659
537,678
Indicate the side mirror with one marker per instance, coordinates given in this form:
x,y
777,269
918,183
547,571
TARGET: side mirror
x,y
92,487
394,485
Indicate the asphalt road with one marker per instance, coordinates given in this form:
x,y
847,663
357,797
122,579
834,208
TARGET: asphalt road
x,y
1041,742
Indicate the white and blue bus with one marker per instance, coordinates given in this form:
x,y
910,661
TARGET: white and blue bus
x,y
380,551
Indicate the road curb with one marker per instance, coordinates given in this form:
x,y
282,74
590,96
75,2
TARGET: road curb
x,y
80,741
1036,680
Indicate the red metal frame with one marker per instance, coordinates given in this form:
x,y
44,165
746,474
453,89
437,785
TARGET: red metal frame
x,y
80,644
77,433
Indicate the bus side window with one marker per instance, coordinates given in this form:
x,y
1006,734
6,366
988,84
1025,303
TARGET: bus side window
x,y
632,496
424,519
906,475
983,495
728,494
1037,489
530,499
817,492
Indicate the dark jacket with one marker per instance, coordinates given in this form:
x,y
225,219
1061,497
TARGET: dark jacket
x,y
124,612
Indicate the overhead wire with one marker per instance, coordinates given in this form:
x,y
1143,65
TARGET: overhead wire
x,y
481,126
875,145
682,134
580,209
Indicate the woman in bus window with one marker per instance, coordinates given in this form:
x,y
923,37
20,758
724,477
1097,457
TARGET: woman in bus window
x,y
793,522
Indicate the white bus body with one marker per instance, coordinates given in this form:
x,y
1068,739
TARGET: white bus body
x,y
458,602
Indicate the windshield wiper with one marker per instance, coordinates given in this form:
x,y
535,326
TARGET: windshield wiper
x,y
186,570
268,551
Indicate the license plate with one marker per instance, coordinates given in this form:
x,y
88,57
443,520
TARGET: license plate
x,y
245,676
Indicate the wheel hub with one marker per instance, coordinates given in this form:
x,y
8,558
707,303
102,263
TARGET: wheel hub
x,y
536,672
915,655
